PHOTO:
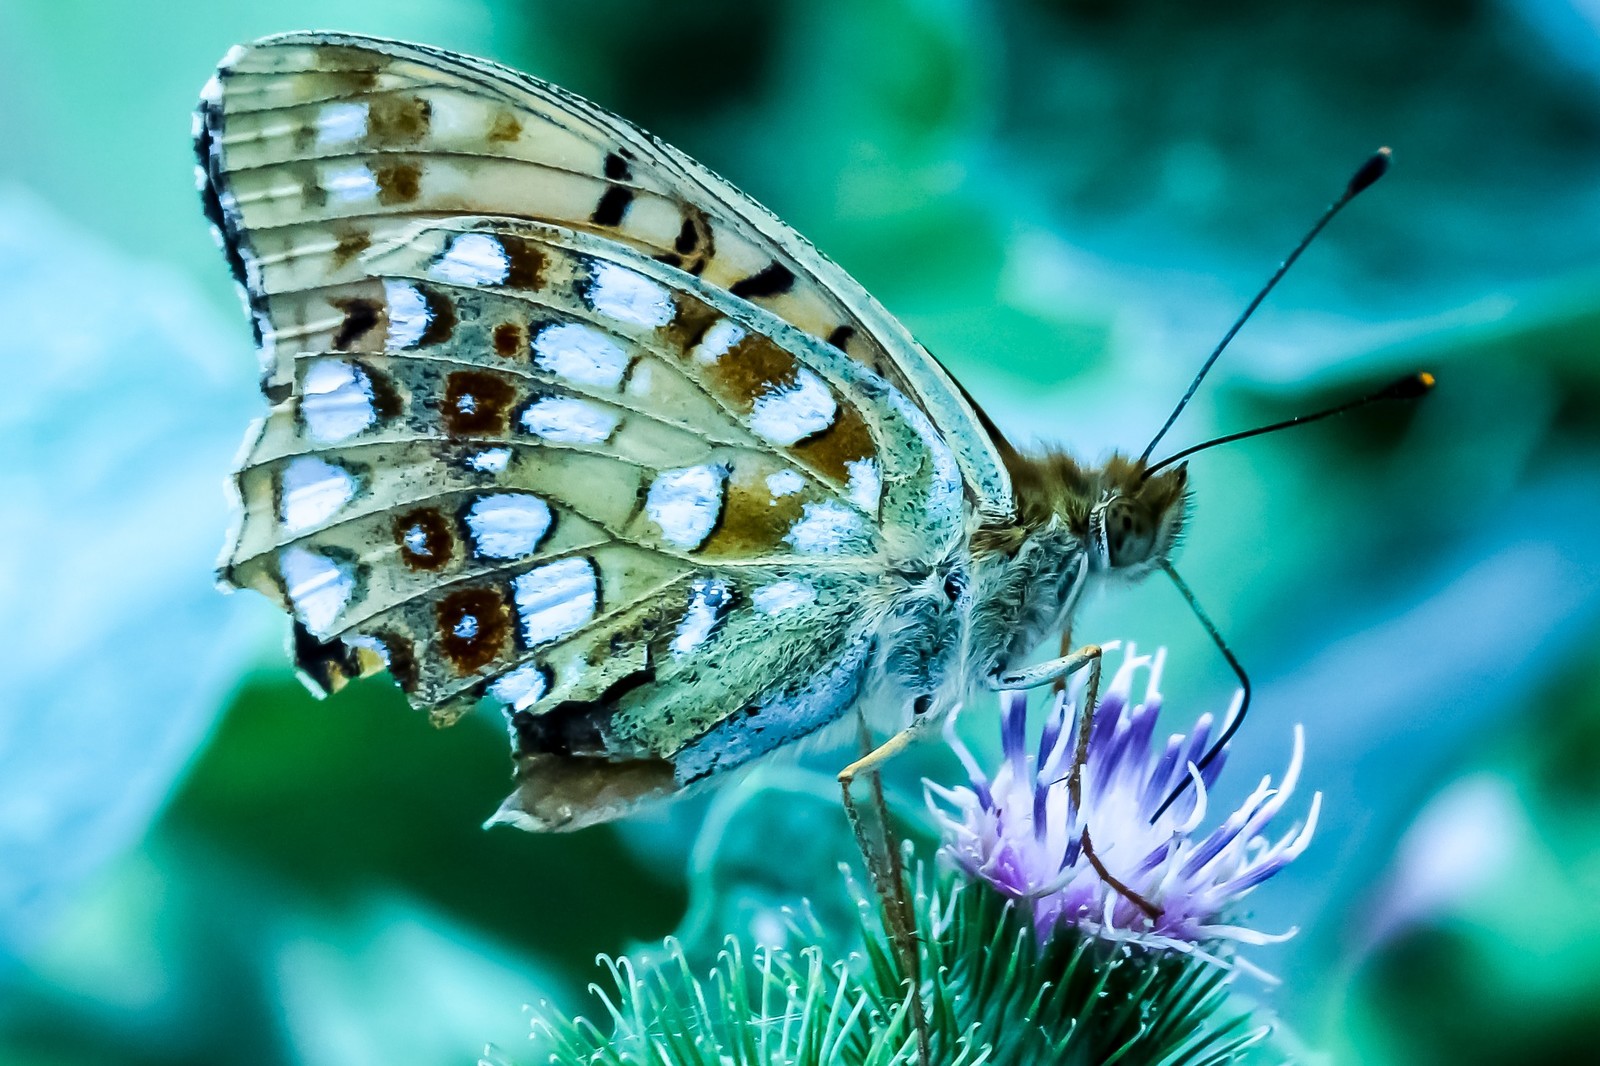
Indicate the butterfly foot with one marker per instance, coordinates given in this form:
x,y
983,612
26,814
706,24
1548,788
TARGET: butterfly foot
x,y
1046,672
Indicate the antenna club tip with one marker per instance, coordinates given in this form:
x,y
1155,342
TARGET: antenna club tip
x,y
1376,166
1411,386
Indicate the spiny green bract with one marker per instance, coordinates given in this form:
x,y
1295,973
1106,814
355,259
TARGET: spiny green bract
x,y
993,998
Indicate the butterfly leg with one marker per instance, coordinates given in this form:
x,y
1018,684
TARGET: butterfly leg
x,y
884,867
1080,759
1080,752
1055,670
1060,684
881,856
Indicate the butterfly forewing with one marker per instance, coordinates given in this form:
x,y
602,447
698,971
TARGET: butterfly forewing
x,y
319,146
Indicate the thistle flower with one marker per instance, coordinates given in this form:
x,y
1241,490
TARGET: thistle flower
x,y
998,984
1020,832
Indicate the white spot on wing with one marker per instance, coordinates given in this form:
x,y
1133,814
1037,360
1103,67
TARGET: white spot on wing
x,y
211,91
341,123
866,484
784,415
416,539
708,600
783,596
312,491
452,120
521,688
685,503
349,182
722,335
408,314
784,483
318,587
825,528
507,524
335,401
628,295
580,354
555,599
472,259
566,420
490,460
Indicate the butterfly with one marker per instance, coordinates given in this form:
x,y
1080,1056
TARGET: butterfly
x,y
561,420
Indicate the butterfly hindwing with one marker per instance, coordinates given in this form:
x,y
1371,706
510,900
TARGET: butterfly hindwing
x,y
652,527
561,419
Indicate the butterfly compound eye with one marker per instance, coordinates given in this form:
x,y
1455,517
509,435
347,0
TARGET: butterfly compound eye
x,y
1130,538
1130,533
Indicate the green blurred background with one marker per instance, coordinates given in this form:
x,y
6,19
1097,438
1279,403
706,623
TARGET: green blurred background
x,y
1067,201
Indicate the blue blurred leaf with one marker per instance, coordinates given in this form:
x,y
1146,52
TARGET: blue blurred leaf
x,y
124,403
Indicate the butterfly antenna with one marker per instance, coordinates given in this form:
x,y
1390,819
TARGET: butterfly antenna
x,y
1234,721
1410,387
1374,168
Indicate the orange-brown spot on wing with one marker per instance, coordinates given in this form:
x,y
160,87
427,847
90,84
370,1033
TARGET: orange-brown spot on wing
x,y
752,522
830,451
360,315
505,127
425,540
476,403
474,627
694,317
386,400
749,370
525,262
344,59
312,195
441,317
351,81
399,182
351,244
402,655
397,120
510,340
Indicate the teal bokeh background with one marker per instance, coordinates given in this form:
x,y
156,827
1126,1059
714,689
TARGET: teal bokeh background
x,y
1067,202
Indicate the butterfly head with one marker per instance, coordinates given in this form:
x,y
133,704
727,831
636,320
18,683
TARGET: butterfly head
x,y
1128,522
1136,520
